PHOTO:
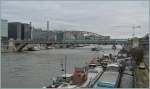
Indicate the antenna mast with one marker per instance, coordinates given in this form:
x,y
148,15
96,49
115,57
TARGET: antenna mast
x,y
65,66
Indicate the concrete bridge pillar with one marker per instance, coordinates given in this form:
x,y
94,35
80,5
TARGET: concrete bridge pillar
x,y
11,46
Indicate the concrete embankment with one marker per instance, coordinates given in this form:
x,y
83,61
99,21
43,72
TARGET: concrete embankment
x,y
141,78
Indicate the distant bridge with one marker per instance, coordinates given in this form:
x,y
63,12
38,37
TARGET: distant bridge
x,y
111,41
20,44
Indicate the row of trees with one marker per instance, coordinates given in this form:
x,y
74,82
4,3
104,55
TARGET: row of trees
x,y
137,54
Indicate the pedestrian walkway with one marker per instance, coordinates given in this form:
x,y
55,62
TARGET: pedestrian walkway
x,y
142,78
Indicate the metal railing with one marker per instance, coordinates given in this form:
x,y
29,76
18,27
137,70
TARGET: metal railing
x,y
70,41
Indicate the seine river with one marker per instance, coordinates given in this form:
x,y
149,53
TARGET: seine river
x,y
35,69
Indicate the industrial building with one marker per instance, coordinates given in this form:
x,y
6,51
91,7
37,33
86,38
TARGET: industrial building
x,y
25,31
19,31
38,34
4,29
4,35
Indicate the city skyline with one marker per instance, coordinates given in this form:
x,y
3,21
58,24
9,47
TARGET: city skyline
x,y
98,16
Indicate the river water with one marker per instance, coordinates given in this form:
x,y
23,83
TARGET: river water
x,y
35,69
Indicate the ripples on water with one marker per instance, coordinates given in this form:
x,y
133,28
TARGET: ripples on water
x,y
35,69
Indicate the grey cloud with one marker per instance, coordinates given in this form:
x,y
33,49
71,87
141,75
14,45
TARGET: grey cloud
x,y
97,16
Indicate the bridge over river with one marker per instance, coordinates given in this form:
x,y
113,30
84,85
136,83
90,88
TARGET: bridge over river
x,y
20,44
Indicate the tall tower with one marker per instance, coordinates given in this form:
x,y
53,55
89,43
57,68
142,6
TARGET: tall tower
x,y
47,25
47,30
31,33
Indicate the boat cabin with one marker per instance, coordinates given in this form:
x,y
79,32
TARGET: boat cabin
x,y
108,80
93,63
67,77
64,78
91,66
113,67
79,76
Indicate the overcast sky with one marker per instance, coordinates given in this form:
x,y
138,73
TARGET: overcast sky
x,y
100,17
